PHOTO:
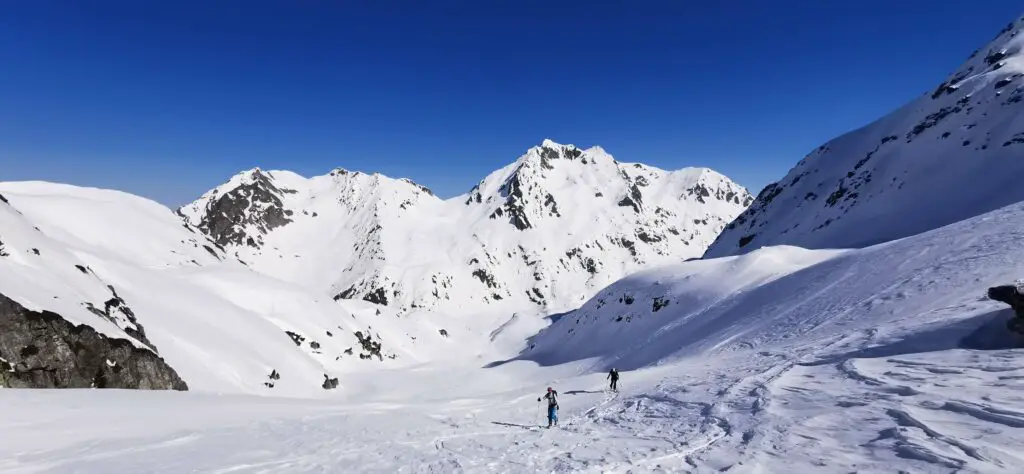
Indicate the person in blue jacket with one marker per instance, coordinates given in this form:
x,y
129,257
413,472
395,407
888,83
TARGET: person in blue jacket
x,y
552,398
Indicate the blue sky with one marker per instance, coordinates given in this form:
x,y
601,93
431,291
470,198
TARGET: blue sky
x,y
169,100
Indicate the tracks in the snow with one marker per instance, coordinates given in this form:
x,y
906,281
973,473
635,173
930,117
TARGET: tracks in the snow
x,y
907,402
724,419
775,413
764,413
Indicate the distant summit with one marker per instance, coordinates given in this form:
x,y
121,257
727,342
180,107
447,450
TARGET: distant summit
x,y
547,230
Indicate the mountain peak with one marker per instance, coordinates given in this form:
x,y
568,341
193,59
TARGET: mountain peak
x,y
703,175
549,143
549,152
249,177
253,173
555,211
240,211
340,171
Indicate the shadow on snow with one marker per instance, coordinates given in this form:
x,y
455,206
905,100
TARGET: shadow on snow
x,y
746,313
985,332
516,425
700,326
577,392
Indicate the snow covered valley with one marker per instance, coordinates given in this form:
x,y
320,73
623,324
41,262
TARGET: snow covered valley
x,y
839,322
880,359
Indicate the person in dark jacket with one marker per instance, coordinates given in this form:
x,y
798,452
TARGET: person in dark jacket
x,y
614,376
552,398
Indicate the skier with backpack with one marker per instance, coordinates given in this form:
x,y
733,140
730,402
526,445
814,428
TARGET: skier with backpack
x,y
614,376
552,399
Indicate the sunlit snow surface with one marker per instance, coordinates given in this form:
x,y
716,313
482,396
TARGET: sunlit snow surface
x,y
787,359
875,360
544,232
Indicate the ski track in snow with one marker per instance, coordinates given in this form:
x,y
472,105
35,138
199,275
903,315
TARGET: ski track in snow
x,y
866,415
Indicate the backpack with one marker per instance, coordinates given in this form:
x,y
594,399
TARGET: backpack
x,y
552,397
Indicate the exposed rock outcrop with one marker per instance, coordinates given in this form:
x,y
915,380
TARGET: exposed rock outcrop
x,y
1011,295
255,204
556,225
43,350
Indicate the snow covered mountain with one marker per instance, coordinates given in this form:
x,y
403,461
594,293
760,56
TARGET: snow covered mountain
x,y
885,356
278,284
883,359
951,154
892,351
544,232
102,288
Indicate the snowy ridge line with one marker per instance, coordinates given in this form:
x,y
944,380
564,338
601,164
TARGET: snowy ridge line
x,y
891,178
246,250
165,287
539,235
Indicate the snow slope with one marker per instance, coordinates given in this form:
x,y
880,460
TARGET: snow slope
x,y
674,310
281,287
540,234
220,325
793,300
882,359
41,273
950,154
93,219
900,334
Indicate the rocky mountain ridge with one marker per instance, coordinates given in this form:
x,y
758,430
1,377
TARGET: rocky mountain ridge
x,y
545,231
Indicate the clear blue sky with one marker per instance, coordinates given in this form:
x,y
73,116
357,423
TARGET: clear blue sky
x,y
170,100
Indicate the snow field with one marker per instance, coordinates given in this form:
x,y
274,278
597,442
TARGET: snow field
x,y
875,360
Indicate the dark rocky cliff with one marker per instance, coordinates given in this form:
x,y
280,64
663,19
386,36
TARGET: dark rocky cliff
x,y
43,350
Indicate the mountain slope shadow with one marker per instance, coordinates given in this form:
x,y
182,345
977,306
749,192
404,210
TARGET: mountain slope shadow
x,y
554,318
993,335
983,332
689,331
